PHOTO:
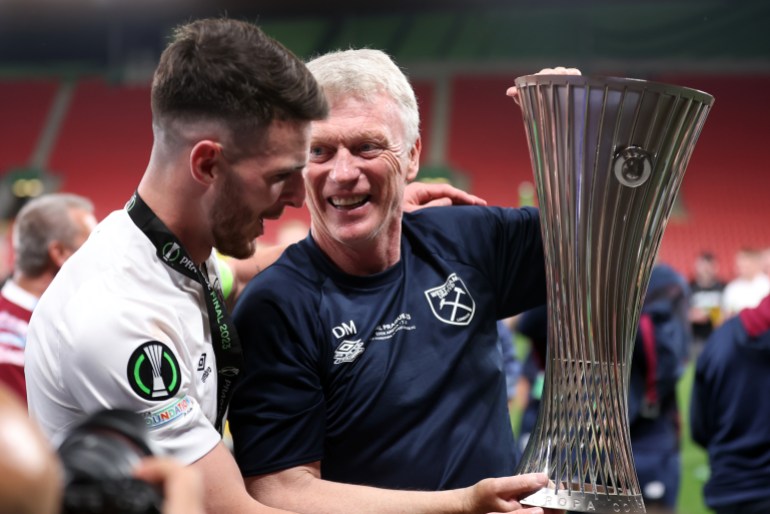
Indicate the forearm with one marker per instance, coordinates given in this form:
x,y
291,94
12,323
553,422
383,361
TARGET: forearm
x,y
311,495
302,490
223,488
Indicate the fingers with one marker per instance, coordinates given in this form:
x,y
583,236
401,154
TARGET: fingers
x,y
438,202
502,494
182,485
420,194
531,510
519,485
559,70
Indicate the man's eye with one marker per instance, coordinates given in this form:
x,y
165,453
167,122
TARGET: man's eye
x,y
316,151
367,148
281,177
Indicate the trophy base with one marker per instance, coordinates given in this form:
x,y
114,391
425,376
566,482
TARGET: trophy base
x,y
585,500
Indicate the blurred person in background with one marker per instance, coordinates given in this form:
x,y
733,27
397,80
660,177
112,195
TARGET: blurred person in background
x,y
706,290
749,286
661,352
766,261
511,364
46,232
730,413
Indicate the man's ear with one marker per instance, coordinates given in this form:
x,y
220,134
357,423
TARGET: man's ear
x,y
58,252
413,165
205,158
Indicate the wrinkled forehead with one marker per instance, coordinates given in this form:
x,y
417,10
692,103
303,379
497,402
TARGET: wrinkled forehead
x,y
353,113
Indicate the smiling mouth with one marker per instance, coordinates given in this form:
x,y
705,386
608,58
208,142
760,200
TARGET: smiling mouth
x,y
348,202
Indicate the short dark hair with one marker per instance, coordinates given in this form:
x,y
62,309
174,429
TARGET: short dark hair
x,y
220,69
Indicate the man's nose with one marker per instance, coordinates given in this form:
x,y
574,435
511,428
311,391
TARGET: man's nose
x,y
294,192
344,168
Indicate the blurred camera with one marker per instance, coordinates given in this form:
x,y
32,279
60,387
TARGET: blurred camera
x,y
99,456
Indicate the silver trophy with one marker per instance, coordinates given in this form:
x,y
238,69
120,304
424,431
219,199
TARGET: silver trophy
x,y
609,155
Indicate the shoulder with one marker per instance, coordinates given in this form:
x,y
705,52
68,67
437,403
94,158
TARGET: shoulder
x,y
470,214
463,221
113,286
722,342
295,275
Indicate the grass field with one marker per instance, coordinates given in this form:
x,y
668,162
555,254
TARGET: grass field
x,y
694,459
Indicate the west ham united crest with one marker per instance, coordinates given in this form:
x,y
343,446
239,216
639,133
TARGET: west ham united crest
x,y
153,371
451,302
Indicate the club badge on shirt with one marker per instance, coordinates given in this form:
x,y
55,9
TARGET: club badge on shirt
x,y
451,302
153,371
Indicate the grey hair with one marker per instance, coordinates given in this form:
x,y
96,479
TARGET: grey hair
x,y
40,222
364,73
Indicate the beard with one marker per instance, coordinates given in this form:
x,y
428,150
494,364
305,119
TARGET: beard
x,y
233,221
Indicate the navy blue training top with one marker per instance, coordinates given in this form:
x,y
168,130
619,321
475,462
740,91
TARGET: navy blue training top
x,y
730,414
395,379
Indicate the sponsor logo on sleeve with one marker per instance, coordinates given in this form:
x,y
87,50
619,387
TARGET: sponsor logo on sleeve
x,y
153,372
180,408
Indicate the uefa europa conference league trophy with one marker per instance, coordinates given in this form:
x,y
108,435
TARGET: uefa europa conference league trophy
x,y
609,155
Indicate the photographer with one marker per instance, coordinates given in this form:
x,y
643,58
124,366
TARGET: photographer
x,y
34,476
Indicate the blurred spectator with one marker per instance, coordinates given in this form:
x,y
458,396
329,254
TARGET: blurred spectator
x,y
749,286
766,261
47,231
533,324
660,352
511,364
705,296
729,416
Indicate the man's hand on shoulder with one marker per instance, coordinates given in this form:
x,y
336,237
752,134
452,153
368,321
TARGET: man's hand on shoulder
x,y
422,194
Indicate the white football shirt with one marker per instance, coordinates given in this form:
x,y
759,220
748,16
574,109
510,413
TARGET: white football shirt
x,y
118,328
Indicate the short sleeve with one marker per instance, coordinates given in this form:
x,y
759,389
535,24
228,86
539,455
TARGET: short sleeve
x,y
277,413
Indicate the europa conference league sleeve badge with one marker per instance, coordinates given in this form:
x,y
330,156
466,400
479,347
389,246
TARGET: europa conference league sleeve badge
x,y
153,372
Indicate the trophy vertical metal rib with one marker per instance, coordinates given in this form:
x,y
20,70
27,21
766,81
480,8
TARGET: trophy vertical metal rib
x,y
609,155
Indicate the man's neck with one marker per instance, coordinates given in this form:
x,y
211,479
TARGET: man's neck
x,y
173,209
35,286
364,258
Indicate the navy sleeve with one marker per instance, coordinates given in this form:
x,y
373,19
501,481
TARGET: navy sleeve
x,y
277,412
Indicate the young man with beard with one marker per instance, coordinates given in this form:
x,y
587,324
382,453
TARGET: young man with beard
x,y
371,346
135,320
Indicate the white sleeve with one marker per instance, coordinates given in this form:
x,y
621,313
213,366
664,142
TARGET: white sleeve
x,y
132,356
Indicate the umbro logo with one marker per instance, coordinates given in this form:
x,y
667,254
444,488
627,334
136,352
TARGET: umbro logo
x,y
348,351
